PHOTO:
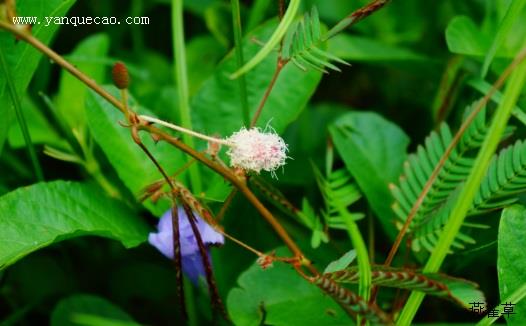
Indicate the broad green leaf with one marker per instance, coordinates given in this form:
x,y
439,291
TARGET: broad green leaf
x,y
37,216
511,262
218,20
359,48
132,165
86,309
202,55
464,37
303,147
24,58
39,128
216,106
373,150
279,296
72,92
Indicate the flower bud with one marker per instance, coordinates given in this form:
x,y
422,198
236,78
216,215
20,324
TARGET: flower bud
x,y
120,75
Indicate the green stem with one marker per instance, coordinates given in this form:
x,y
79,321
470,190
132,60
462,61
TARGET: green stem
x,y
362,255
274,40
238,38
181,77
20,117
515,297
470,188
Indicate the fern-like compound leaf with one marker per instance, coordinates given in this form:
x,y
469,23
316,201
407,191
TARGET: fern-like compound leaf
x,y
506,177
303,42
339,192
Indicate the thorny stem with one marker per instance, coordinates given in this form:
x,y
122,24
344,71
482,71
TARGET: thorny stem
x,y
185,130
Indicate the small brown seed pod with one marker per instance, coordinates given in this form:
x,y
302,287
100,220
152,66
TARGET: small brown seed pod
x,y
120,75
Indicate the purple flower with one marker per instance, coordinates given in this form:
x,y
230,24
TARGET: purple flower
x,y
191,259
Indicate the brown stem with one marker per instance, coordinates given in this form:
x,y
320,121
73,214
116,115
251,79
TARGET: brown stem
x,y
279,68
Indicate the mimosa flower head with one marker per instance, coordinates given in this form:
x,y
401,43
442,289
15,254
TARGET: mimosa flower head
x,y
255,150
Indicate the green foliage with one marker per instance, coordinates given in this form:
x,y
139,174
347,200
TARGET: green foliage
x,y
34,217
89,310
463,37
273,40
405,78
373,150
302,45
41,131
494,39
338,192
215,107
511,261
23,58
366,49
70,102
503,181
277,296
